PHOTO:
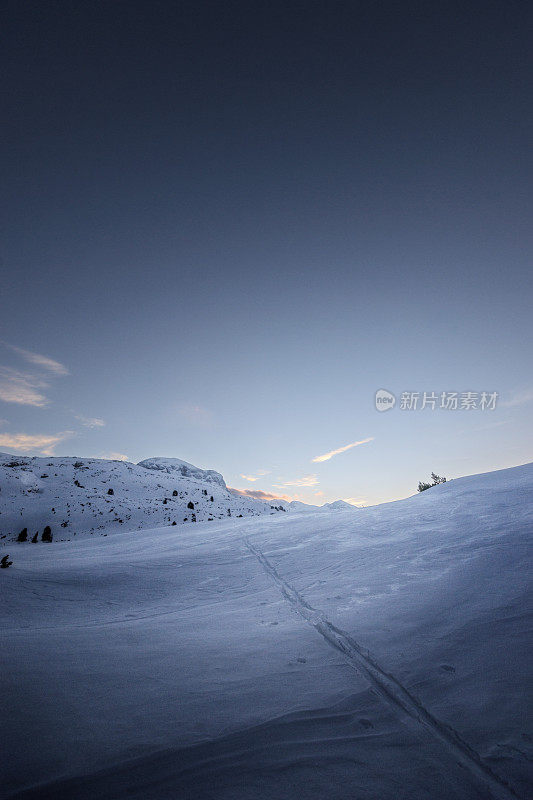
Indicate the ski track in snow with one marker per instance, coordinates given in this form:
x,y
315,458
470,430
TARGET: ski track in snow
x,y
386,685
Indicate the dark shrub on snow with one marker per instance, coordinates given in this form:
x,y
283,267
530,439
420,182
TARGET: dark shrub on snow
x,y
47,534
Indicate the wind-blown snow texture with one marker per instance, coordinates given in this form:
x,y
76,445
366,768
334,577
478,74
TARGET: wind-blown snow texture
x,y
374,655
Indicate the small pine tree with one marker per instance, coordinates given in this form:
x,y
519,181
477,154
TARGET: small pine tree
x,y
35,538
436,480
190,505
229,512
23,535
193,518
5,562
212,499
47,534
111,491
175,493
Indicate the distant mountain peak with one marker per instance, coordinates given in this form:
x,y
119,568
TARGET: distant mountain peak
x,y
339,505
184,468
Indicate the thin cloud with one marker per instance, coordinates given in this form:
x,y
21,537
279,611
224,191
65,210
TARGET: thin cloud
x,y
22,388
259,495
41,361
307,480
327,456
260,474
354,501
518,399
25,388
42,443
90,422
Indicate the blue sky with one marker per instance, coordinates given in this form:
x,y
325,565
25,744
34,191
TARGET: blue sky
x,y
225,236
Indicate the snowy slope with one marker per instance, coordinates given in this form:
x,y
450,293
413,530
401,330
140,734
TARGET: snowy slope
x,y
71,495
379,655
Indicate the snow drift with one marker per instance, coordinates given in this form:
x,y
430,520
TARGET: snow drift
x,y
382,654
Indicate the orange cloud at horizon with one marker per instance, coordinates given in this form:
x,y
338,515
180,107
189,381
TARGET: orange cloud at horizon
x,y
259,495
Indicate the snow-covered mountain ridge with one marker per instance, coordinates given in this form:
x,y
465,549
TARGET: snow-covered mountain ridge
x,y
76,496
298,506
71,495
176,466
